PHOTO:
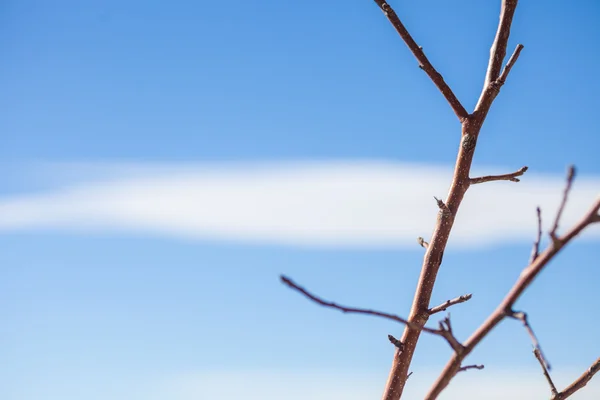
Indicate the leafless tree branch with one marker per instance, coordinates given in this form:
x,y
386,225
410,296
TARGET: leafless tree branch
x,y
504,310
563,203
506,177
535,251
424,63
353,310
511,61
471,126
521,316
449,303
546,371
579,382
444,331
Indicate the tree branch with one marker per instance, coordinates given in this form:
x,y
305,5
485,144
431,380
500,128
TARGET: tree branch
x,y
471,127
449,303
505,308
521,316
506,177
535,251
543,363
424,63
445,330
353,310
511,62
563,203
579,382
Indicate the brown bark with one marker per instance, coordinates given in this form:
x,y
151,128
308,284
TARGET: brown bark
x,y
471,126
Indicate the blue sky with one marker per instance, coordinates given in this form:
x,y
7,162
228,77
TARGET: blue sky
x,y
164,163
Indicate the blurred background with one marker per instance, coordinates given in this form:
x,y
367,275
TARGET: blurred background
x,y
165,162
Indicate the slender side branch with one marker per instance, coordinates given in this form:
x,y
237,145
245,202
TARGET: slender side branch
x,y
511,62
424,63
579,382
542,362
521,316
535,251
449,303
353,310
506,177
444,331
563,203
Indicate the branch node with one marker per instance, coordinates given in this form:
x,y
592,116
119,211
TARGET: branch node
x,y
396,342
442,206
446,332
422,242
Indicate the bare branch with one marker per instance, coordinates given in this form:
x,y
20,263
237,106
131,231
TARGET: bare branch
x,y
353,310
542,362
424,63
422,242
536,245
468,367
449,303
521,316
579,382
498,50
506,177
471,127
511,61
505,308
570,177
445,330
493,80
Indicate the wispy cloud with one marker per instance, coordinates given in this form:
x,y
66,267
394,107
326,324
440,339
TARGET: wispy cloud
x,y
325,204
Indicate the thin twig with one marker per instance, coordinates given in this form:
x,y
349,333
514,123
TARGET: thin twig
x,y
467,367
506,177
570,177
449,303
542,362
535,251
511,61
579,382
353,310
521,316
424,63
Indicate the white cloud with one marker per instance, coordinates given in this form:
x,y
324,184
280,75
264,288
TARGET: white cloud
x,y
330,204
